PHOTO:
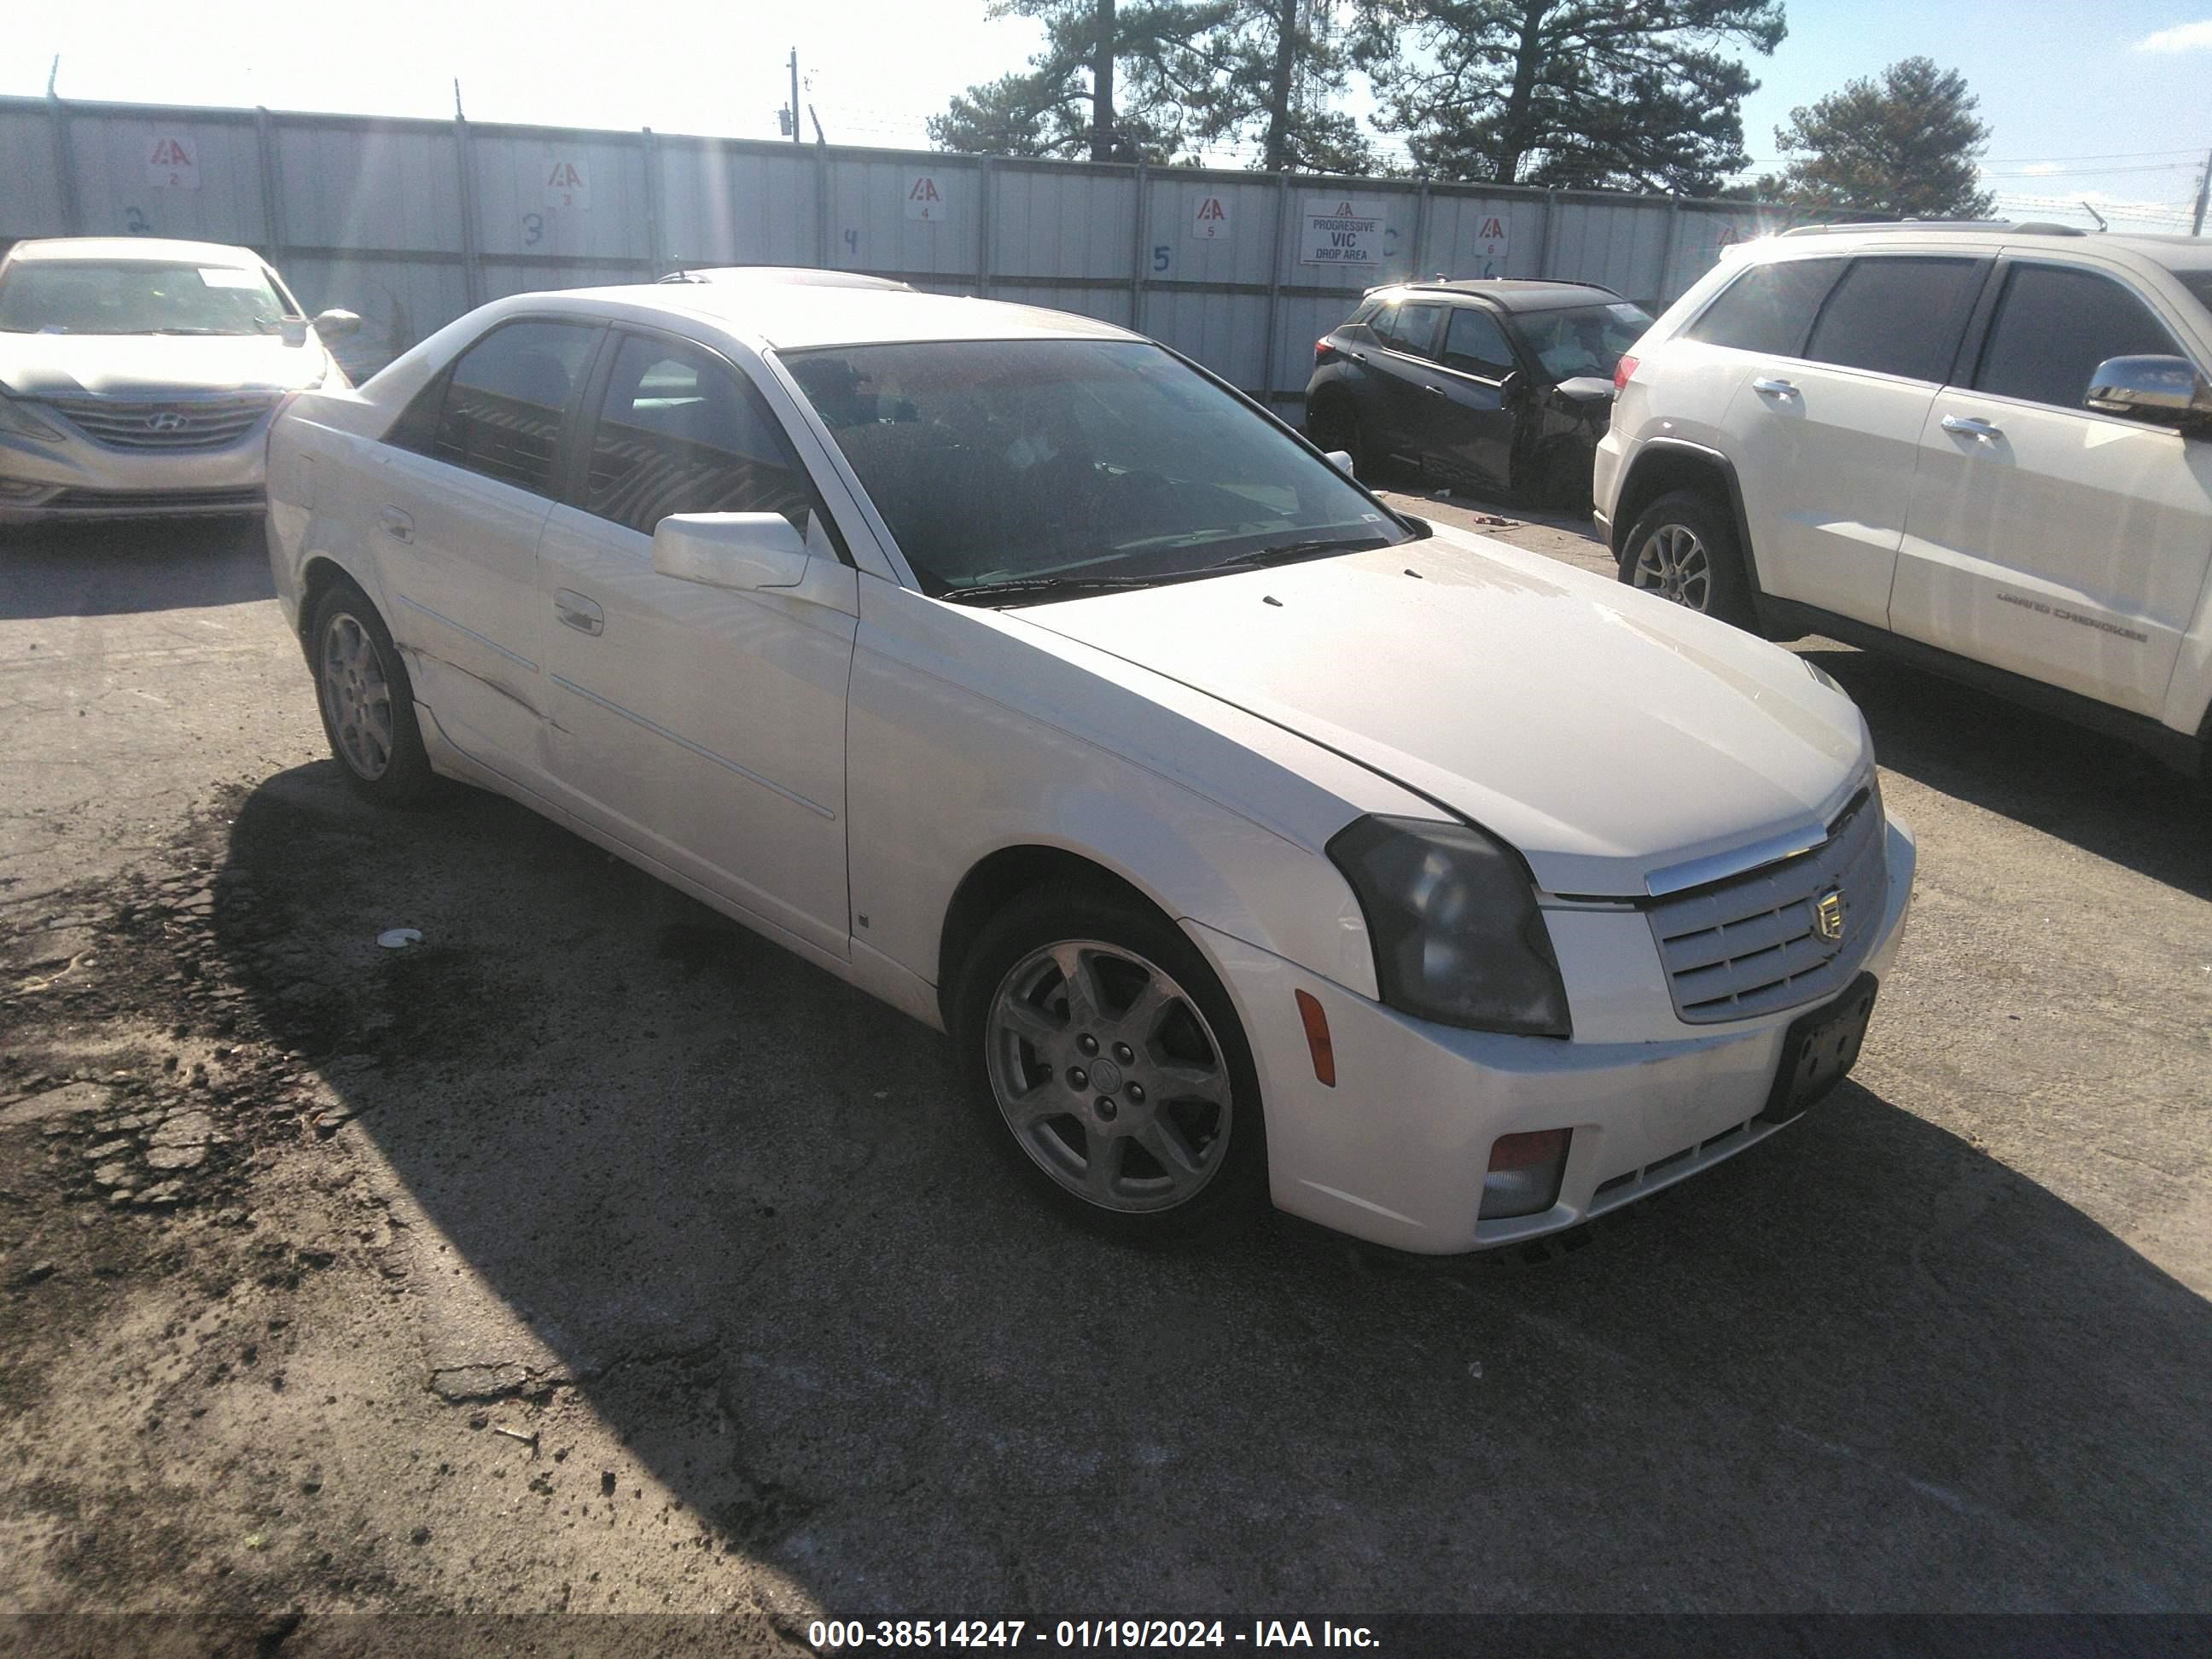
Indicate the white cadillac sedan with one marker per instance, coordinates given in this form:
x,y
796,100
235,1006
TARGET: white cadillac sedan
x,y
1253,841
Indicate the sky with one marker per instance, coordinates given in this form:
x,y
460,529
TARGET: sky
x,y
2110,100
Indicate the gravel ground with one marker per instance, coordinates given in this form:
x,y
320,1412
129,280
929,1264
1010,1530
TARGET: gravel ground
x,y
594,1255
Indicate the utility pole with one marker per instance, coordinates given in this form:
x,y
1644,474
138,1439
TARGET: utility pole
x,y
2203,189
795,135
1101,86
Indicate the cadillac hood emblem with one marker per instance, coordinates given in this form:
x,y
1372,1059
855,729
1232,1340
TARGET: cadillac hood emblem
x,y
1828,915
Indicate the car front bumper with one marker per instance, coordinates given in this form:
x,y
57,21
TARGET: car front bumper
x,y
1397,1151
77,478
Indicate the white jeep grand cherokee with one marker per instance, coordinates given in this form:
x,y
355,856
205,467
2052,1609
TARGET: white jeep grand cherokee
x,y
1986,448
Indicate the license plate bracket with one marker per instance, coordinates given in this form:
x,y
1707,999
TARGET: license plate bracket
x,y
1819,1051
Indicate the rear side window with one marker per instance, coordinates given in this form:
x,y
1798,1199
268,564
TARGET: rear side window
x,y
2055,326
1411,328
505,398
1475,344
1769,308
680,431
1898,316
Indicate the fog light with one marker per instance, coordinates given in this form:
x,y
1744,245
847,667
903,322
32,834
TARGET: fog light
x,y
17,489
1525,1170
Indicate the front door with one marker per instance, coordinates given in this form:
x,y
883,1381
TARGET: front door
x,y
2046,537
1405,375
702,727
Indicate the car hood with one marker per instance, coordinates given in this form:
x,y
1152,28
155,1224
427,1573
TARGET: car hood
x,y
121,365
1604,732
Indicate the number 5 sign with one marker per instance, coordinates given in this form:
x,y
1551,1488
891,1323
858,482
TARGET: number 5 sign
x,y
1209,220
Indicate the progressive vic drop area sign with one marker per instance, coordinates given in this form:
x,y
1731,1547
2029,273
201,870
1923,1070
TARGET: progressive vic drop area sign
x,y
1341,231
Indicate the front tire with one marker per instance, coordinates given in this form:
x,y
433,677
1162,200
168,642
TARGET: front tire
x,y
1111,1065
1685,548
367,702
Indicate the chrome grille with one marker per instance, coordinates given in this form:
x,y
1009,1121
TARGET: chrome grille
x,y
197,422
1751,945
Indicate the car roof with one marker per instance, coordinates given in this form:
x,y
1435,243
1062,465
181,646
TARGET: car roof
x,y
1513,293
2175,252
795,315
805,276
151,250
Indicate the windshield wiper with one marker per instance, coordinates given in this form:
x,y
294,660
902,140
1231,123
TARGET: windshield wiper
x,y
183,330
1064,586
1292,552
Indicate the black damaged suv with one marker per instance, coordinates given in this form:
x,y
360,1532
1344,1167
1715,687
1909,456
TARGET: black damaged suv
x,y
1501,386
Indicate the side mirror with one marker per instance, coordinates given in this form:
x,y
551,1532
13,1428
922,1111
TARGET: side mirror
x,y
1341,460
2165,388
1584,391
332,324
738,551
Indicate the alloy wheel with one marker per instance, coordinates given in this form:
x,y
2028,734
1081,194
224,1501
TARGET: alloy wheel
x,y
356,696
1673,563
1108,1075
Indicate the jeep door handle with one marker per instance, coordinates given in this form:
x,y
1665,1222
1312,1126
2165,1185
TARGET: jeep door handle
x,y
1774,388
1436,391
396,525
579,612
1966,426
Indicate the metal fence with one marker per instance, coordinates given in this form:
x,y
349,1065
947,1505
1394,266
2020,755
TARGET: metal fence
x,y
412,223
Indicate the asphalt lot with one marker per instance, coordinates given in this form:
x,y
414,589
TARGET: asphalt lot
x,y
595,1255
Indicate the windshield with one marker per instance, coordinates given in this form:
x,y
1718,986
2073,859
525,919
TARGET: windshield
x,y
87,296
1584,339
995,461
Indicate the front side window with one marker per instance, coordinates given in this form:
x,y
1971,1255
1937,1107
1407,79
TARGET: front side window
x,y
1898,316
1074,461
1769,308
1412,328
1475,344
1583,340
506,398
134,296
2055,326
680,432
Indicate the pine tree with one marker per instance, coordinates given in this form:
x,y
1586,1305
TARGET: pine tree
x,y
1907,145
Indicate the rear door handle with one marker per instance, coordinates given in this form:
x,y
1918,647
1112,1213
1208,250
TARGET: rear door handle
x,y
579,612
1774,388
396,525
1966,426
1438,389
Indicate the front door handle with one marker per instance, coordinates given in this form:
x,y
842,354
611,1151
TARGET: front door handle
x,y
579,612
1774,388
1966,426
396,525
1436,391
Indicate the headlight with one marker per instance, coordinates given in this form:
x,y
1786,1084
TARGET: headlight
x,y
1457,935
16,417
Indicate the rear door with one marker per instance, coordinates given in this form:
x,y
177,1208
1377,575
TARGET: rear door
x,y
456,497
1825,433
1469,433
1406,377
2046,537
704,727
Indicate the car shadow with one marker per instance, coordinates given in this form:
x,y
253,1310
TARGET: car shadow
x,y
744,1214
2096,793
126,567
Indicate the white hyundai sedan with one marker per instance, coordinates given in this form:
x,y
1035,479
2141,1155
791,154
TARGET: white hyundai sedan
x,y
1253,841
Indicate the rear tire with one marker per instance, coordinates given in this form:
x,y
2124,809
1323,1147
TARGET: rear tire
x,y
1685,548
1112,1070
368,702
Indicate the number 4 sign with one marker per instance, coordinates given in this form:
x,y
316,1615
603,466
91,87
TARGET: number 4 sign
x,y
567,185
924,199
